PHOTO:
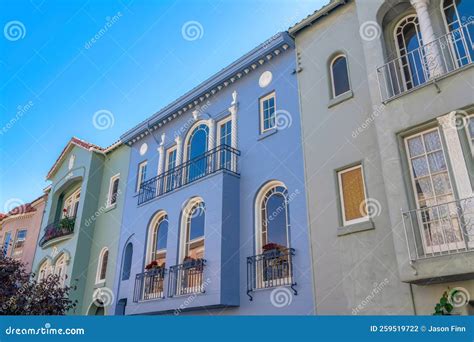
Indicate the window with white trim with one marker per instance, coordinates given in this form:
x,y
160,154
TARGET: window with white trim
x,y
19,244
157,239
71,204
170,165
194,218
224,137
339,76
267,112
113,190
6,243
141,176
60,268
102,265
44,270
353,196
470,131
434,195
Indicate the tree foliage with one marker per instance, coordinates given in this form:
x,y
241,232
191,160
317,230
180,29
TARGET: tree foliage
x,y
20,294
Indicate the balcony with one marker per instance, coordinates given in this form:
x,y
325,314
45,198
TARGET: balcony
x,y
149,285
442,229
222,157
427,63
57,231
273,268
186,278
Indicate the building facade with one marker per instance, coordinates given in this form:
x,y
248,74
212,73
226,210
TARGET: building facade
x,y
19,230
215,216
81,223
391,194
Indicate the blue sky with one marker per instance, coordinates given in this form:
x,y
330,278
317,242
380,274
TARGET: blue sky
x,y
53,78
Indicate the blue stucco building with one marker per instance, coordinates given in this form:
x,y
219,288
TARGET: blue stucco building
x,y
215,217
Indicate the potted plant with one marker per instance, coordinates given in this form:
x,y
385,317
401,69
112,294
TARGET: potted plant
x,y
154,266
272,250
444,307
66,224
189,262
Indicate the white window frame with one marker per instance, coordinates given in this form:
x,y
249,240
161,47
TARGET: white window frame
x,y
4,246
220,123
261,109
162,215
46,268
333,87
61,265
139,174
341,195
16,241
185,226
171,149
98,280
71,202
111,188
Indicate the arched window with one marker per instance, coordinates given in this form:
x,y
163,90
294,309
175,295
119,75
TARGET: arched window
x,y
339,76
127,261
196,147
102,265
157,239
408,41
458,16
60,269
272,216
194,217
44,270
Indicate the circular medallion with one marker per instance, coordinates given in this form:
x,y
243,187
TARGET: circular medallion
x,y
143,149
265,79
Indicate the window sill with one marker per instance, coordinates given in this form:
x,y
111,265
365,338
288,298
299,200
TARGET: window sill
x,y
355,228
110,207
267,133
341,98
99,284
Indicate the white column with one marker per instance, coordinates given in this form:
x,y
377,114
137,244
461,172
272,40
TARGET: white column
x,y
179,150
434,60
455,155
161,155
233,115
212,134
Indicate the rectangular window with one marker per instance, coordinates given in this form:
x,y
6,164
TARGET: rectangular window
x,y
437,215
353,195
225,138
141,177
6,243
170,165
71,204
113,190
19,243
267,112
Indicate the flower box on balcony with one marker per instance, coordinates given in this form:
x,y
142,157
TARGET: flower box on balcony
x,y
190,262
273,250
154,266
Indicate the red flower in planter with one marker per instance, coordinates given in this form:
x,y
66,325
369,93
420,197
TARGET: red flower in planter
x,y
152,265
272,246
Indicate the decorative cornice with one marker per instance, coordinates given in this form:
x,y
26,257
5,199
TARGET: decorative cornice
x,y
273,47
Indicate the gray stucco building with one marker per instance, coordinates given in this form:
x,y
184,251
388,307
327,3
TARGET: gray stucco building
x,y
387,104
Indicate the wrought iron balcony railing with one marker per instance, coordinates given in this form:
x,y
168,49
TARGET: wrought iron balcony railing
x,y
149,285
429,62
58,229
441,229
271,269
186,278
222,157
